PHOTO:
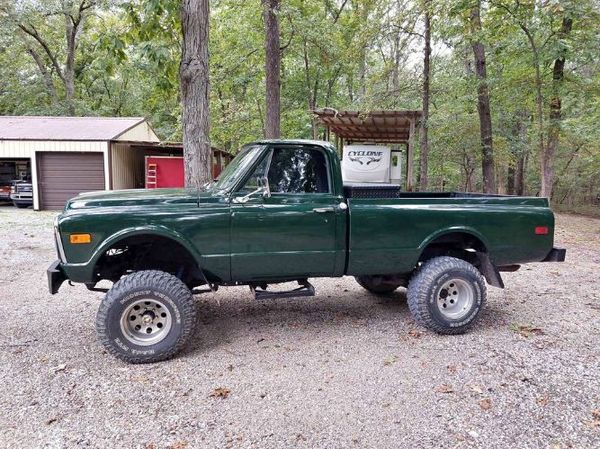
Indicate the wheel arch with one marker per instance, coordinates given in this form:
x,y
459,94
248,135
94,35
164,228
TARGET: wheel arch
x,y
153,232
464,243
438,235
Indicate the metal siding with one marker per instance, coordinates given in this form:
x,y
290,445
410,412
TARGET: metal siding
x,y
27,148
63,175
139,133
127,167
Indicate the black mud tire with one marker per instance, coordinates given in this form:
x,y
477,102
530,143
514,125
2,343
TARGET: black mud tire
x,y
368,284
426,292
159,287
21,205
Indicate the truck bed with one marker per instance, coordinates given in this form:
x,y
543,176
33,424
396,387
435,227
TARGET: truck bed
x,y
388,233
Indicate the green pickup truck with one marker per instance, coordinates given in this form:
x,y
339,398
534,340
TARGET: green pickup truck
x,y
281,213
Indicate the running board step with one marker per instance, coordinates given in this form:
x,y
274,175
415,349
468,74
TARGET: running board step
x,y
305,289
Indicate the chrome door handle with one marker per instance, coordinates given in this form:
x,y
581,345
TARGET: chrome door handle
x,y
323,210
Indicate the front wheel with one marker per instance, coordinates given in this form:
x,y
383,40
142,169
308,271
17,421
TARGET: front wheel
x,y
446,295
146,317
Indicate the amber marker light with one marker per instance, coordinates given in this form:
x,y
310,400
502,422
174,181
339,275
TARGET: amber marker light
x,y
80,238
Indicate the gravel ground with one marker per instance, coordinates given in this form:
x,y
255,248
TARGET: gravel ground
x,y
343,370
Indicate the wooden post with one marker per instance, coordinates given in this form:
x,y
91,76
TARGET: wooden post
x,y
410,149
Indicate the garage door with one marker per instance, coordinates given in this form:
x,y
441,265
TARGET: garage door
x,y
63,175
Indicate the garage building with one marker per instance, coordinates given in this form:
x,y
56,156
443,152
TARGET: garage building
x,y
68,155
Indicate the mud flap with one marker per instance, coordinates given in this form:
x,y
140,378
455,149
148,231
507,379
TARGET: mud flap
x,y
489,270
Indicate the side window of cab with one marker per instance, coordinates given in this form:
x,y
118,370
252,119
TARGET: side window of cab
x,y
292,170
298,170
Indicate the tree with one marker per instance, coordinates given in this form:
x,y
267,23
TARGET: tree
x,y
272,68
483,103
423,132
35,25
547,157
194,81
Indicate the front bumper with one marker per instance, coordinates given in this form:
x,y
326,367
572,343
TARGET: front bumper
x,y
55,277
556,255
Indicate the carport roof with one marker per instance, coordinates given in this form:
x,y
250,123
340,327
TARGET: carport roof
x,y
373,126
66,128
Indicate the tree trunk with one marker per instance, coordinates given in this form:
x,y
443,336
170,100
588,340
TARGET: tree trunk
x,y
272,68
547,158
71,30
483,105
194,92
423,141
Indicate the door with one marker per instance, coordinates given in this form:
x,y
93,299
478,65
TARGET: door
x,y
63,175
292,233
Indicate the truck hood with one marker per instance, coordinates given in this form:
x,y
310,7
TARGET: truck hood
x,y
134,197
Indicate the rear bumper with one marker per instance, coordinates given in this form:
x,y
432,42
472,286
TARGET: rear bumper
x,y
556,255
55,277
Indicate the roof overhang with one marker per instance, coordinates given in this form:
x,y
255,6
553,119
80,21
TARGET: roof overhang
x,y
374,126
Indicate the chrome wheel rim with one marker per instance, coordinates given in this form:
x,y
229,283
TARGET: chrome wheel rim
x,y
455,298
146,322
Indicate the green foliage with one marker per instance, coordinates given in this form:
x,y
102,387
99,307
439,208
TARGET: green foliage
x,y
344,54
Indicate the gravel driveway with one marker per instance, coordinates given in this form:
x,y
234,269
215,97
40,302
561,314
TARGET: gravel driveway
x,y
345,369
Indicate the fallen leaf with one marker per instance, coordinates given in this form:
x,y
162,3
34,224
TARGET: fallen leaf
x,y
452,369
485,404
543,400
593,423
150,446
50,421
390,360
476,389
178,445
141,379
444,388
220,393
596,413
58,368
526,330
415,334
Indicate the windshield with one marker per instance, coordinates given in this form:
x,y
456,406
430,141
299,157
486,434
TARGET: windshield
x,y
237,167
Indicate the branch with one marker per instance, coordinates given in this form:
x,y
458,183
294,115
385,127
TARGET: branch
x,y
34,34
44,72
407,31
289,41
339,13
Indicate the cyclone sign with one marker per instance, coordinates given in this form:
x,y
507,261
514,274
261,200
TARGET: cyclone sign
x,y
366,160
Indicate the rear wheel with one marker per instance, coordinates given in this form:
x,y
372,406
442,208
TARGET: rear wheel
x,y
446,295
146,317
376,284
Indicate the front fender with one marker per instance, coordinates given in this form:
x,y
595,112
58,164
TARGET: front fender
x,y
84,272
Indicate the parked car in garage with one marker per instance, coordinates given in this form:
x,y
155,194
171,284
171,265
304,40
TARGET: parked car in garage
x,y
21,193
4,192
7,174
